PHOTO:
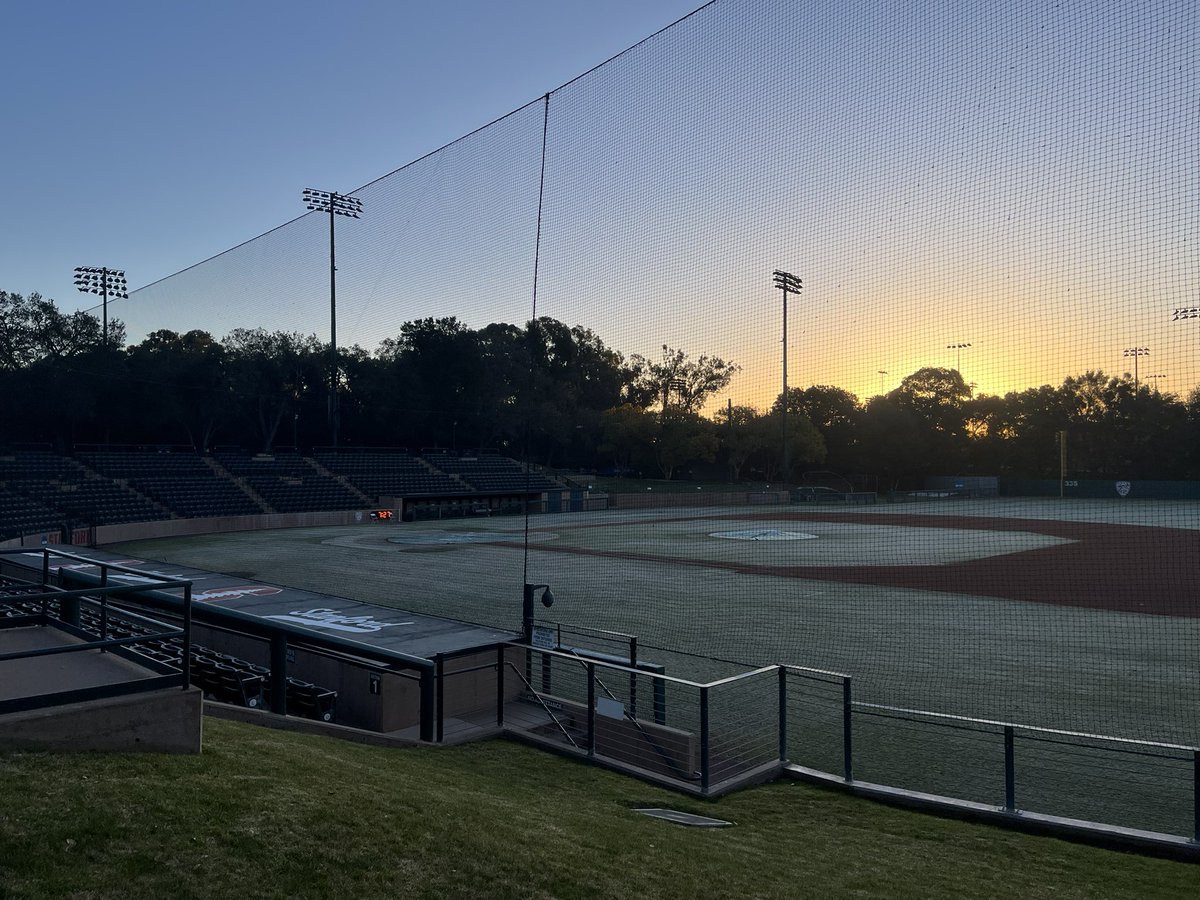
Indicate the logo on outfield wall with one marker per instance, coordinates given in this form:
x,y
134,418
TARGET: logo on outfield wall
x,y
1123,488
232,593
332,620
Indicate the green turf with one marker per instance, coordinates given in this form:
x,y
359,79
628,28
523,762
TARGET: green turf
x,y
272,814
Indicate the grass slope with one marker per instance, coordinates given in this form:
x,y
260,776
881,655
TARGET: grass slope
x,y
271,814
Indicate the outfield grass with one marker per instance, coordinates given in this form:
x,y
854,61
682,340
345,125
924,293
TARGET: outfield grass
x,y
272,814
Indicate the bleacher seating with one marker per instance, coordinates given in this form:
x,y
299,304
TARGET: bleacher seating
x,y
42,491
20,515
288,483
394,473
57,490
181,481
488,472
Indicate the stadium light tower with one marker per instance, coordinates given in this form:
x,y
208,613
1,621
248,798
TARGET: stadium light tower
x,y
1135,352
788,283
336,205
958,348
105,282
881,373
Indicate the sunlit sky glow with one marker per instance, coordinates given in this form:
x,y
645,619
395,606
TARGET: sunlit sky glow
x,y
1018,176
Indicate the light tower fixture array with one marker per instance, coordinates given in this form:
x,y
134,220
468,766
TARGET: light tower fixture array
x,y
336,205
788,283
1135,352
105,282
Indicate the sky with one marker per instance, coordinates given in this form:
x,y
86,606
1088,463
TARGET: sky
x,y
148,136
1021,177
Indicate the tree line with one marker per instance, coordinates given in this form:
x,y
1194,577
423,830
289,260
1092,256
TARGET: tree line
x,y
560,396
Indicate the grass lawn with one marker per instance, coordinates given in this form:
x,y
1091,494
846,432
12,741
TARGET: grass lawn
x,y
265,813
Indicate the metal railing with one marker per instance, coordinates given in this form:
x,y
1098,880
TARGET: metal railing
x,y
1104,785
50,605
283,639
702,737
707,737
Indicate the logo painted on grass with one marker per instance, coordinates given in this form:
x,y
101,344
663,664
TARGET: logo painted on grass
x,y
1123,488
332,620
212,595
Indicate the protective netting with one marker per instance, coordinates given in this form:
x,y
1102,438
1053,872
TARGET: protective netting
x,y
993,211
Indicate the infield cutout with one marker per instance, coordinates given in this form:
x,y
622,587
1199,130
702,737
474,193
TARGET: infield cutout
x,y
763,534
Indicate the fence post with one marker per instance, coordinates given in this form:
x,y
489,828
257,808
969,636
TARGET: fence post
x,y
1010,770
500,685
103,606
186,660
704,737
1196,794
633,677
783,735
428,711
591,718
847,732
660,702
440,675
279,665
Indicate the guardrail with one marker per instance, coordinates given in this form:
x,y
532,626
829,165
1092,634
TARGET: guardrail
x,y
709,737
281,637
51,605
1039,778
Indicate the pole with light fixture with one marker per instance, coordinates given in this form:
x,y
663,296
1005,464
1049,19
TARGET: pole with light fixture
x,y
958,348
1135,352
336,205
105,282
788,283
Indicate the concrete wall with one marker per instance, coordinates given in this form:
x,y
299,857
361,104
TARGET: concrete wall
x,y
650,499
166,721
137,531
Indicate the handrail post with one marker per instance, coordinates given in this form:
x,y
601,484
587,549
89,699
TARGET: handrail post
x,y
186,659
500,686
279,667
428,688
704,741
103,606
1010,770
783,723
1196,794
591,718
633,655
440,675
847,731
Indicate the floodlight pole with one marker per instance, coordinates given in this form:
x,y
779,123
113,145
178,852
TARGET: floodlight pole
x,y
881,373
958,358
1135,352
102,281
786,282
336,205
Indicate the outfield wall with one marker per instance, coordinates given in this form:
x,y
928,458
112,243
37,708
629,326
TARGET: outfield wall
x,y
164,528
649,499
